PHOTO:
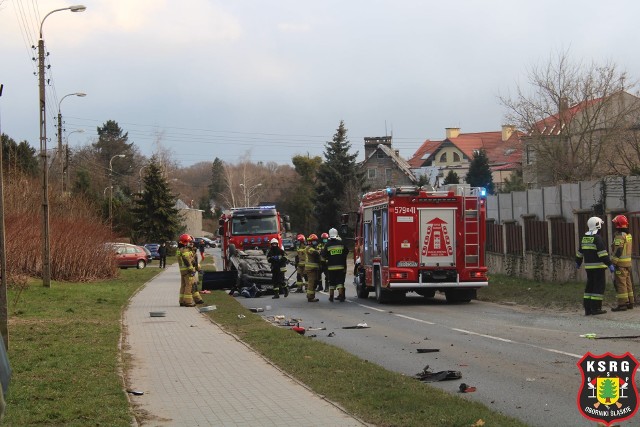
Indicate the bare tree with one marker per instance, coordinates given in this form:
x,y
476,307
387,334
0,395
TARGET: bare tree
x,y
573,115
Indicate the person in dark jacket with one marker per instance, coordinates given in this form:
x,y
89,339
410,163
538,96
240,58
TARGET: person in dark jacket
x,y
278,261
162,252
593,252
335,252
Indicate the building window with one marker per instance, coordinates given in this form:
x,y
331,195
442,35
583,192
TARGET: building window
x,y
380,154
371,173
443,158
529,154
456,157
388,175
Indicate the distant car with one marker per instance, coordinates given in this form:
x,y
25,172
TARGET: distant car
x,y
128,255
153,248
172,244
288,244
208,243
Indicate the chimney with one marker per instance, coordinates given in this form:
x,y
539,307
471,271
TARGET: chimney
x,y
452,132
564,105
371,144
507,131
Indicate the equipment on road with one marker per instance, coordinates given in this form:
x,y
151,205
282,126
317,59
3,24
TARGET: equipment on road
x,y
413,239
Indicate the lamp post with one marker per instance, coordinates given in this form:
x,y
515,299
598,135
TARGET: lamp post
x,y
248,192
65,166
46,264
60,152
111,188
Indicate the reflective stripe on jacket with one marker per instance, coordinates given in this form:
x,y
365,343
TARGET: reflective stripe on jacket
x,y
621,249
593,252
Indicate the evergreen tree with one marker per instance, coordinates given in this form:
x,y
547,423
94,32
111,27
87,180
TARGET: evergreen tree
x,y
298,202
112,142
451,178
338,172
514,183
479,174
19,157
217,184
156,218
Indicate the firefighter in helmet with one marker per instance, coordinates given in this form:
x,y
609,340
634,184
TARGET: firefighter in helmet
x,y
187,270
278,261
335,252
323,280
621,258
312,267
195,281
301,258
596,259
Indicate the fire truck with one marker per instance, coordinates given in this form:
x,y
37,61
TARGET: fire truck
x,y
245,234
409,239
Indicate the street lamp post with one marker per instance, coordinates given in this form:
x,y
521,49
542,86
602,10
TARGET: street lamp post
x,y
248,192
60,152
65,166
46,264
111,188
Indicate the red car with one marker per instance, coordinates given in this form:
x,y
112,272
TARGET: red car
x,y
128,255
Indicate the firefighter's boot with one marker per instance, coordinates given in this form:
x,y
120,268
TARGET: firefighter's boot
x,y
587,306
331,295
630,305
341,296
311,297
276,293
286,291
596,308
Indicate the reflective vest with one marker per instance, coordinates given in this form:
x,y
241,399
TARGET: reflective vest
x,y
621,249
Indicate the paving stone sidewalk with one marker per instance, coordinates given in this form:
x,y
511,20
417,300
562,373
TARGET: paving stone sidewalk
x,y
194,374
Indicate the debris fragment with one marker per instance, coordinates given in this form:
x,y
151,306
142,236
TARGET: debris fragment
x,y
427,350
478,423
299,329
241,316
157,313
256,309
428,376
331,334
135,392
464,388
358,326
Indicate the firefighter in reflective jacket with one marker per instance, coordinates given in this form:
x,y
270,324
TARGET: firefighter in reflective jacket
x,y
323,280
301,258
596,260
278,261
187,270
335,252
312,267
621,258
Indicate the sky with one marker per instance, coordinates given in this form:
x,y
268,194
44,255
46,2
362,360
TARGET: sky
x,y
268,80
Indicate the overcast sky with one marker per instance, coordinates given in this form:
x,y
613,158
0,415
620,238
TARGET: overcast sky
x,y
208,78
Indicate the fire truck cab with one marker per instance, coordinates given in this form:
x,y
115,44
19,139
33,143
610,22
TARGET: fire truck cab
x,y
409,239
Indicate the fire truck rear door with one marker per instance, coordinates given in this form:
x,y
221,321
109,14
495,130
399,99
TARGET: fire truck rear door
x,y
437,237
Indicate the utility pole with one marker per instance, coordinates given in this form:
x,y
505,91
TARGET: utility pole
x,y
4,312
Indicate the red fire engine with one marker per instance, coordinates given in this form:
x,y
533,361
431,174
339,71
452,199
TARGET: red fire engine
x,y
412,239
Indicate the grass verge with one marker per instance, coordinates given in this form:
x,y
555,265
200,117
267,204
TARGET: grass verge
x,y
63,348
374,394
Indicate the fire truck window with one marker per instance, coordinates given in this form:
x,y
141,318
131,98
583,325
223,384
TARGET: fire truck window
x,y
366,258
385,238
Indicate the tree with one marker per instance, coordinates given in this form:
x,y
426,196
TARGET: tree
x,y
298,202
112,142
451,178
479,174
514,183
217,184
338,173
19,157
156,219
572,115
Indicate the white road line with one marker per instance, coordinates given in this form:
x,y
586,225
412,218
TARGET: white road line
x,y
464,331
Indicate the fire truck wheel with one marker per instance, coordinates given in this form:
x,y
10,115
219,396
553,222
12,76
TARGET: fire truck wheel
x,y
381,296
460,295
361,291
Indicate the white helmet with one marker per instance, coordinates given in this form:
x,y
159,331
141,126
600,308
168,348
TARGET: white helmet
x,y
333,233
272,241
594,223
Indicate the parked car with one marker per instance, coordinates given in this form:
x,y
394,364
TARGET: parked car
x,y
128,255
208,243
153,248
288,244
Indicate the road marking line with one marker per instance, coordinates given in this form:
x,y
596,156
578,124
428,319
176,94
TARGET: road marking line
x,y
414,319
372,308
482,335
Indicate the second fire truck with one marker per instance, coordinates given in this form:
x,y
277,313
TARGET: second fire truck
x,y
411,239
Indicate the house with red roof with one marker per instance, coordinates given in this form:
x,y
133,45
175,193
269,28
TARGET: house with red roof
x,y
434,159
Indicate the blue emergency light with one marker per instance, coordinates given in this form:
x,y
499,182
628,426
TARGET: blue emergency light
x,y
483,192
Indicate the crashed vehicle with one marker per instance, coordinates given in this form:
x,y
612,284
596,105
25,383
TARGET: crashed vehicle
x,y
245,235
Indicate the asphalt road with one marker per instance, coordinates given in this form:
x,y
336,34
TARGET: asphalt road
x,y
521,361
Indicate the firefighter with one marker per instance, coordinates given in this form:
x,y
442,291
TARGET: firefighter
x,y
195,281
596,260
312,267
301,258
278,261
187,270
621,258
335,252
323,280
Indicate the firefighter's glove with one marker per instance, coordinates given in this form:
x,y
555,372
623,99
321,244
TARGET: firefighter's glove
x,y
612,268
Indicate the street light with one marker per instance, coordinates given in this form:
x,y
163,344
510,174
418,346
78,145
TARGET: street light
x,y
248,193
46,264
65,166
122,156
60,153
